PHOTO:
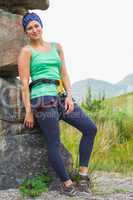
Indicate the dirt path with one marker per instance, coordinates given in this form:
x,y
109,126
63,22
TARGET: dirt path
x,y
108,186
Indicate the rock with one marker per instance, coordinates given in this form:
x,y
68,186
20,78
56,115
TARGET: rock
x,y
14,194
111,183
16,6
12,38
23,151
24,156
11,105
101,191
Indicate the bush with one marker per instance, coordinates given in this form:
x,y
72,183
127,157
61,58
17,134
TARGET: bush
x,y
35,186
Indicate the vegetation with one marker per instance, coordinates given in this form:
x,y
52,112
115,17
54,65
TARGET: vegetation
x,y
114,141
113,145
35,186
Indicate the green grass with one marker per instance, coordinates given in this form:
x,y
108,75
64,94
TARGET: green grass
x,y
107,155
120,190
113,145
70,137
112,156
33,187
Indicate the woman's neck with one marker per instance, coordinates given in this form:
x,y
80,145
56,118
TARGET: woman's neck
x,y
36,43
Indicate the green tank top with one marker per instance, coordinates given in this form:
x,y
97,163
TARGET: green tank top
x,y
45,65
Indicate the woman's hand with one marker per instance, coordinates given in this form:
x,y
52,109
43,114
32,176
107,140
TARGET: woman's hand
x,y
69,105
29,119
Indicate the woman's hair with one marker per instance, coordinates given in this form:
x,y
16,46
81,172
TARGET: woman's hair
x,y
28,17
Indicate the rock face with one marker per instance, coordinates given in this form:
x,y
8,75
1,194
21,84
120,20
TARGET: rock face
x,y
11,105
12,38
23,156
15,6
23,151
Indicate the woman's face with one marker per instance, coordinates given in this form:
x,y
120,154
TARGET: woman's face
x,y
34,30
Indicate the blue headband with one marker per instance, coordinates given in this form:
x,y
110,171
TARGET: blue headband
x,y
28,17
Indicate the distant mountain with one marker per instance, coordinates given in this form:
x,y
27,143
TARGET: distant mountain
x,y
99,87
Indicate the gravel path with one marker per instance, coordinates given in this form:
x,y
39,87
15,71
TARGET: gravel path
x,y
108,186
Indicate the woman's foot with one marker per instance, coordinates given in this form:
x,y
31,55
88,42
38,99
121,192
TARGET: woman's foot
x,y
68,188
84,183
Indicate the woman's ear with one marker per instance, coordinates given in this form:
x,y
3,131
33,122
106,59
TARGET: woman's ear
x,y
26,34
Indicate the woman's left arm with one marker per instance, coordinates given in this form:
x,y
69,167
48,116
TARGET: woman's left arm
x,y
69,105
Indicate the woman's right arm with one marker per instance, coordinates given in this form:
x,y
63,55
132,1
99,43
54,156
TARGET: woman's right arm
x,y
24,74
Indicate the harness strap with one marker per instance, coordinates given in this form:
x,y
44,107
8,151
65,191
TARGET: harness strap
x,y
44,80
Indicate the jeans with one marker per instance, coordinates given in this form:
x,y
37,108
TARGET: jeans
x,y
48,110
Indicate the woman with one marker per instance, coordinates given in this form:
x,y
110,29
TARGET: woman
x,y
41,59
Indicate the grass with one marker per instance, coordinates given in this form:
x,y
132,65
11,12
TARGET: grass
x,y
70,137
113,157
33,187
113,145
108,154
120,190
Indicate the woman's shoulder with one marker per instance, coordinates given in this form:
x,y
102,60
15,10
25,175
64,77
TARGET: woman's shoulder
x,y
57,45
26,49
25,52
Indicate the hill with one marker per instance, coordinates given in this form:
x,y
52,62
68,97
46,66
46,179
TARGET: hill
x,y
100,87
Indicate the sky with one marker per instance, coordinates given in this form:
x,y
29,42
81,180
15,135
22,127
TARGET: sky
x,y
96,36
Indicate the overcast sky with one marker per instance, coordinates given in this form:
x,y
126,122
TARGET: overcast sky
x,y
96,35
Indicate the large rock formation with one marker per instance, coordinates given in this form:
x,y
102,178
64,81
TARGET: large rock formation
x,y
23,151
16,6
12,38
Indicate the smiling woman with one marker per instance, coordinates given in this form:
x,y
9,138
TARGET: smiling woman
x,y
44,62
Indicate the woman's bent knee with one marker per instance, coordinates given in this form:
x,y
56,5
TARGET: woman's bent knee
x,y
90,128
95,129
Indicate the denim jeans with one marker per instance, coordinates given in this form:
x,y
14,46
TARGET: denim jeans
x,y
48,110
